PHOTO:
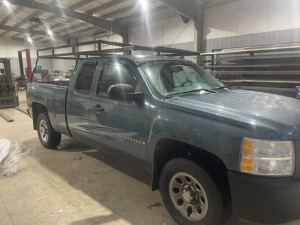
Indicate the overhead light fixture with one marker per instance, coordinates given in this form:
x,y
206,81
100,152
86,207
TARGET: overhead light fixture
x,y
35,20
29,39
50,32
143,3
6,3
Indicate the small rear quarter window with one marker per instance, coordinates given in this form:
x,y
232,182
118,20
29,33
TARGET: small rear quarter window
x,y
85,77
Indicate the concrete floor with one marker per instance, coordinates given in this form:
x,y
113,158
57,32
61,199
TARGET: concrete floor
x,y
75,185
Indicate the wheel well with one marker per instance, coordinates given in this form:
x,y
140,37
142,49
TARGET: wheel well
x,y
37,108
167,149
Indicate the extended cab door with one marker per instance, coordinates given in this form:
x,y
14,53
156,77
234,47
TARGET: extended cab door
x,y
78,101
119,127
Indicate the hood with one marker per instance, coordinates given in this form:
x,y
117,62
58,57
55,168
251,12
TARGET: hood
x,y
279,113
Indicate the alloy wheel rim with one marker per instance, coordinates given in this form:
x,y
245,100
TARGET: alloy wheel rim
x,y
43,130
188,196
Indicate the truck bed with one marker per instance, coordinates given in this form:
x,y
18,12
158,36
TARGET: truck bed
x,y
53,96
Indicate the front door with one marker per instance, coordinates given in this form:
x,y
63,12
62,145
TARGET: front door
x,y
119,127
78,101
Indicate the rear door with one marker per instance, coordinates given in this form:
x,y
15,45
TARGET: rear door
x,y
119,127
78,101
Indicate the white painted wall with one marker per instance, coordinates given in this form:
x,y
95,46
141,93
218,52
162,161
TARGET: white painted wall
x,y
9,48
164,32
251,16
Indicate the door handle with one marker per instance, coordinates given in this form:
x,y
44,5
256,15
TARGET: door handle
x,y
98,108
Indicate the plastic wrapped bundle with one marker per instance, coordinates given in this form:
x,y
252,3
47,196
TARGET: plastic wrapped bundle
x,y
9,155
4,148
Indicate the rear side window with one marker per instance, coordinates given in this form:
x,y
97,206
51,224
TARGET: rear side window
x,y
114,73
85,77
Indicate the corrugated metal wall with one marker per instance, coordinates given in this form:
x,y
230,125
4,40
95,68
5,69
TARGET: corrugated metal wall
x,y
266,38
272,37
186,46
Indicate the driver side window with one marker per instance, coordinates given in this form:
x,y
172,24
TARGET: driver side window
x,y
114,73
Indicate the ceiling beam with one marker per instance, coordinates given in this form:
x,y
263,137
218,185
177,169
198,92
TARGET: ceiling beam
x,y
79,4
105,6
21,30
49,19
119,11
69,29
10,16
186,8
53,17
30,31
140,14
21,23
102,23
87,31
59,25
214,3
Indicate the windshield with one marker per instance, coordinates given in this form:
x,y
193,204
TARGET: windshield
x,y
171,77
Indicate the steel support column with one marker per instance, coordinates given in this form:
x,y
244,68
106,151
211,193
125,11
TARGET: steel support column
x,y
126,38
198,39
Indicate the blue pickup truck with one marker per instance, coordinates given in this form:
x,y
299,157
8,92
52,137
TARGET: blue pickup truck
x,y
212,150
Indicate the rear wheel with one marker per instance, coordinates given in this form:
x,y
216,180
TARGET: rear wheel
x,y
190,194
49,138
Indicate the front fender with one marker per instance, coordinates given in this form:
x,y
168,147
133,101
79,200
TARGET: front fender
x,y
215,134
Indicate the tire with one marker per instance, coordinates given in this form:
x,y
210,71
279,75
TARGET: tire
x,y
49,138
197,200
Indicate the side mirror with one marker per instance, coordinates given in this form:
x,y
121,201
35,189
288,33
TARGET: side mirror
x,y
123,92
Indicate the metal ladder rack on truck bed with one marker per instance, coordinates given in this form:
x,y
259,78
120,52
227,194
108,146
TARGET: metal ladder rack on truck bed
x,y
127,49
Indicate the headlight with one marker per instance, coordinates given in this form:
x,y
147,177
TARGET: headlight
x,y
269,158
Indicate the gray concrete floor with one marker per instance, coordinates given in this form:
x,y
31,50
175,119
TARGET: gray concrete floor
x,y
75,185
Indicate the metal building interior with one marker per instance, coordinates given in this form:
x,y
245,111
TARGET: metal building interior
x,y
247,45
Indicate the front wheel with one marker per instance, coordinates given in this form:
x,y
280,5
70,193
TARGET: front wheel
x,y
49,138
190,194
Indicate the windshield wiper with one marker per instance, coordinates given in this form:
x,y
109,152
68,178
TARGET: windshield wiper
x,y
202,89
218,88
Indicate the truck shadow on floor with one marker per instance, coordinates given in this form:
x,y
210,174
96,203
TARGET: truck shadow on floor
x,y
99,176
126,168
70,145
112,182
67,145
